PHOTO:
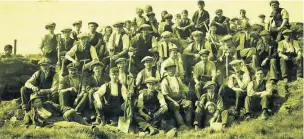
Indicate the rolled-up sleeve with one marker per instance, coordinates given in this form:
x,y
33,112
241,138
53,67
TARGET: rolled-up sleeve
x,y
126,42
101,91
93,52
30,82
285,14
72,51
161,99
164,87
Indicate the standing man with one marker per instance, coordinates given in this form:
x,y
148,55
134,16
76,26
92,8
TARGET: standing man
x,y
290,55
221,22
49,43
42,82
142,43
151,107
200,18
8,49
77,27
203,71
279,20
243,18
176,59
147,72
184,26
153,23
96,39
175,93
262,21
167,25
164,46
235,92
140,19
109,98
66,42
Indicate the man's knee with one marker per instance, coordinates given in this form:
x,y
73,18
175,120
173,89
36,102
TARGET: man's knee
x,y
68,114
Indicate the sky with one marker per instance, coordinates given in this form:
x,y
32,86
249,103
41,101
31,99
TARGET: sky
x,y
25,20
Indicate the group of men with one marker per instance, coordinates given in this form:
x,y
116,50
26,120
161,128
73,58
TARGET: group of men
x,y
140,69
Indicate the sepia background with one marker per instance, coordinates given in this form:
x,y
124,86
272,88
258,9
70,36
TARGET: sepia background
x,y
25,20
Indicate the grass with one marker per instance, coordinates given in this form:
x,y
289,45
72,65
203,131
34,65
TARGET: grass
x,y
286,123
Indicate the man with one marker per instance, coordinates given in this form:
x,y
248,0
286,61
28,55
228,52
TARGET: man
x,y
235,92
203,71
70,89
164,46
66,42
176,59
41,112
148,8
262,21
147,72
153,23
167,25
258,91
279,20
107,33
210,113
290,55
8,49
49,43
201,18
93,82
175,93
109,98
42,82
82,50
221,22
96,39
151,107
121,64
140,19
212,42
163,13
184,26
119,42
77,27
243,18
128,29
268,55
142,43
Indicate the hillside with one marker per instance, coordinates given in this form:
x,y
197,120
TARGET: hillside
x,y
286,123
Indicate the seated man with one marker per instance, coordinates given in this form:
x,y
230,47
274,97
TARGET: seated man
x,y
148,71
151,106
41,112
8,49
259,94
69,93
203,71
210,113
235,92
175,92
290,54
42,82
109,98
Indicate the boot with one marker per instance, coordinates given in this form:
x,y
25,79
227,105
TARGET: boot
x,y
99,121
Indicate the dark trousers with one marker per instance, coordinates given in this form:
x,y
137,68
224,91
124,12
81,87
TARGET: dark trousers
x,y
187,111
108,111
223,118
289,66
144,124
72,116
255,103
231,97
25,97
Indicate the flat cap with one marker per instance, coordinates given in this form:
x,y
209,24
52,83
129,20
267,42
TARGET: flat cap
x,y
73,66
201,2
96,63
77,23
274,1
139,10
262,16
94,23
44,60
287,31
204,51
168,16
218,11
66,30
169,64
234,62
83,35
151,80
120,60
243,11
234,19
166,34
51,24
226,38
8,47
173,47
209,83
144,26
34,96
118,24
150,14
197,33
264,33
114,70
147,58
